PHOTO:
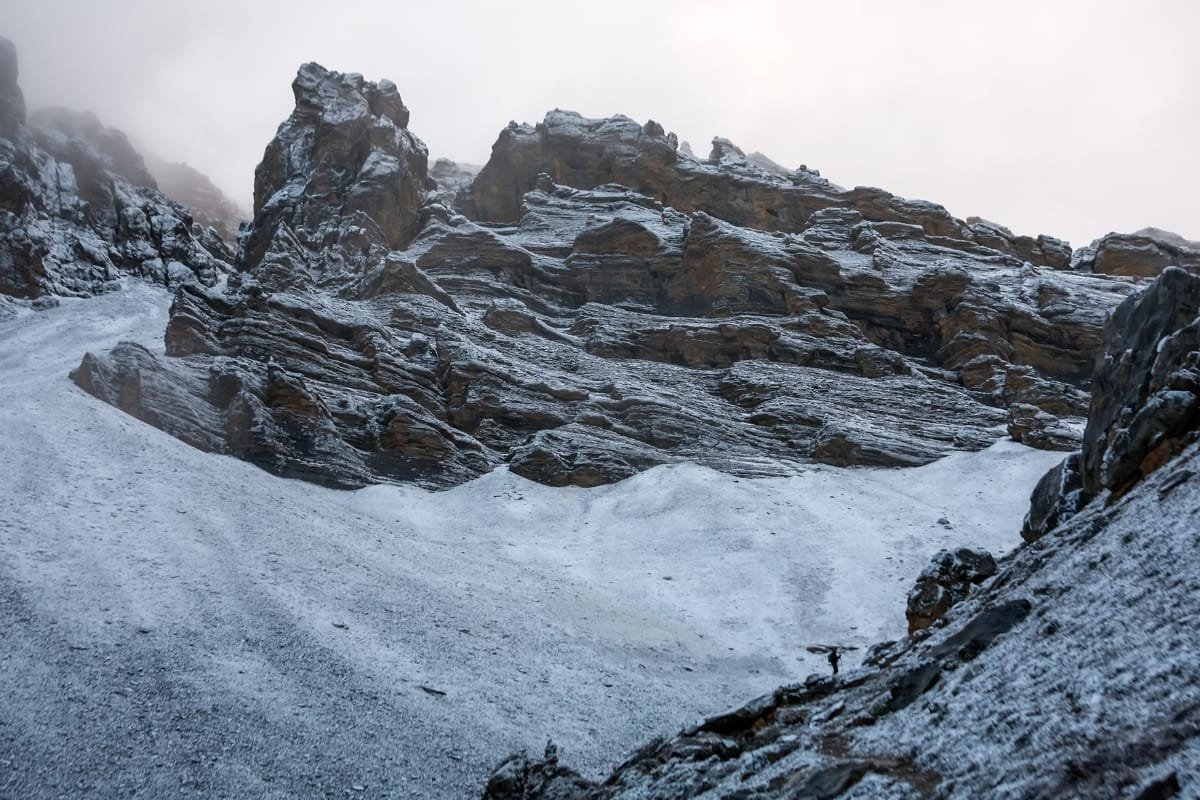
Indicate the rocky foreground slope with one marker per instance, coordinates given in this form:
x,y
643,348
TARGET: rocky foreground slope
x,y
1070,674
598,302
79,210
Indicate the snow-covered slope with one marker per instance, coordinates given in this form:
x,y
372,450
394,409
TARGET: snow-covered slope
x,y
178,623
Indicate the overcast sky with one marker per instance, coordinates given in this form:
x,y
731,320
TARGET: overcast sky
x,y
1062,117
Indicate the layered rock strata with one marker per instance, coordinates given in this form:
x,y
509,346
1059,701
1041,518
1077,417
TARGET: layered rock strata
x,y
1143,254
372,333
750,191
79,211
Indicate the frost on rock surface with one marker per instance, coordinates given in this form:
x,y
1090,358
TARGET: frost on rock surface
x,y
1071,673
594,304
79,211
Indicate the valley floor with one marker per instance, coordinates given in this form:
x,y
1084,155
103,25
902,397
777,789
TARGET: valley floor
x,y
174,622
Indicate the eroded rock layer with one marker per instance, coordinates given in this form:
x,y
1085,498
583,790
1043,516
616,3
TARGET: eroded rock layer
x,y
580,330
79,210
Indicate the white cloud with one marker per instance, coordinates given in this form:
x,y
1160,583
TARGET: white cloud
x,y
1072,118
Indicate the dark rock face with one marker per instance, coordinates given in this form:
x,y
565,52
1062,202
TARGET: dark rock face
x,y
1058,496
1146,400
1143,254
1145,403
12,100
946,581
78,210
372,333
208,204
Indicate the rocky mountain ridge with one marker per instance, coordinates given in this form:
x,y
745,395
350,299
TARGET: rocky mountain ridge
x,y
580,330
79,210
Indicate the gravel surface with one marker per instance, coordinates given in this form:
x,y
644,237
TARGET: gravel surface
x,y
174,623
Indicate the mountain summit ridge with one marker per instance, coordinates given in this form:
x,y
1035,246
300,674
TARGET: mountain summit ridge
x,y
580,330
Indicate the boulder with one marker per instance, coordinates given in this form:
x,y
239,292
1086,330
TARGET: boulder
x,y
946,581
1058,496
1031,426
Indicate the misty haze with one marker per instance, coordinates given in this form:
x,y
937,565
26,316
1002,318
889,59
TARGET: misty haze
x,y
544,400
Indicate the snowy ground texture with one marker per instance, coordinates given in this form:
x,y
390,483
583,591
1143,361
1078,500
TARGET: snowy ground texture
x,y
175,623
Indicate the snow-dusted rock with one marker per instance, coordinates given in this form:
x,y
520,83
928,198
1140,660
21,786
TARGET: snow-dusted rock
x,y
342,182
78,209
947,580
1032,426
1146,398
1142,254
748,191
583,330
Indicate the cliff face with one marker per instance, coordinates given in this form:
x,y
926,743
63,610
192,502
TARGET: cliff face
x,y
1069,674
79,210
581,330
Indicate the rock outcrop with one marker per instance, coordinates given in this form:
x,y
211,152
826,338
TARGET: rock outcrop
x,y
1145,404
580,330
1072,668
1146,398
1143,254
452,179
79,210
946,581
341,184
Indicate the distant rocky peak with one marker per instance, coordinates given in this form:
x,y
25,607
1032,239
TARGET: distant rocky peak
x,y
12,101
72,136
725,152
342,167
334,95
768,164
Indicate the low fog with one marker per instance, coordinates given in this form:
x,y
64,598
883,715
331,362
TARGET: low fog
x,y
1070,118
